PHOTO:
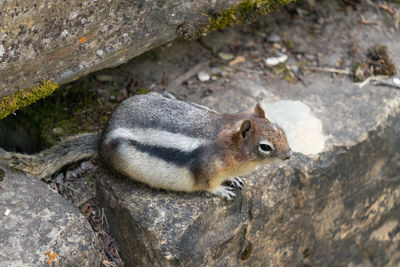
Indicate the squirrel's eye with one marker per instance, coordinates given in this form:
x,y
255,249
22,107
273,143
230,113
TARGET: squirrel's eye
x,y
265,147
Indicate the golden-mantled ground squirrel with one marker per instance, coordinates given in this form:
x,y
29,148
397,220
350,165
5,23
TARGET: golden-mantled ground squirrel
x,y
169,144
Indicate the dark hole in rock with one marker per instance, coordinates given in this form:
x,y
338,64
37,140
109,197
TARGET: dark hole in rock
x,y
246,253
17,137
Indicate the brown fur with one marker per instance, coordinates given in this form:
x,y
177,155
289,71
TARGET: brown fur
x,y
237,145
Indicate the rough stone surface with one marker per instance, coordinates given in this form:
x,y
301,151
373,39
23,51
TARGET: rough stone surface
x,y
178,232
335,203
61,41
340,206
35,220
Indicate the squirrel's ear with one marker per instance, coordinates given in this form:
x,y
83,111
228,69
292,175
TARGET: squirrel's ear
x,y
247,125
259,111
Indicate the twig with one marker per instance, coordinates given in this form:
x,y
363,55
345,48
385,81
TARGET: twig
x,y
369,22
83,201
67,186
388,9
193,71
331,70
105,220
371,78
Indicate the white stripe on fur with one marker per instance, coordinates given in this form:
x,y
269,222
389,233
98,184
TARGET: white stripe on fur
x,y
157,137
153,171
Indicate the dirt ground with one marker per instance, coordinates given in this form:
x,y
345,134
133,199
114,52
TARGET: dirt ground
x,y
329,37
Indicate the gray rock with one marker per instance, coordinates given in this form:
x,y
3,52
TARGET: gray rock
x,y
159,228
335,202
63,41
203,76
37,222
273,38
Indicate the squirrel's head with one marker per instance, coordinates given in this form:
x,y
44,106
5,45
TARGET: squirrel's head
x,y
259,139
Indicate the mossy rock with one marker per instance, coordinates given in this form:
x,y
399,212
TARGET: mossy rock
x,y
78,46
25,97
244,12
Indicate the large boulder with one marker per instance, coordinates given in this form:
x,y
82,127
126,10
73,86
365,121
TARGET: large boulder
x,y
56,42
336,201
39,227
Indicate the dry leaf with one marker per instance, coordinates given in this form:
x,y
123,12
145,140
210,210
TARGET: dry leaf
x,y
238,59
388,9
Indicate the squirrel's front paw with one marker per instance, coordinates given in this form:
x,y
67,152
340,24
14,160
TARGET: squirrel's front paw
x,y
235,182
224,192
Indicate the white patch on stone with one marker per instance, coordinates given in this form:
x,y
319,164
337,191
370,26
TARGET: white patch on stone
x,y
1,50
73,15
64,33
7,212
66,74
303,130
99,52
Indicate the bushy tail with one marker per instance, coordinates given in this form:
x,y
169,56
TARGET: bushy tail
x,y
47,162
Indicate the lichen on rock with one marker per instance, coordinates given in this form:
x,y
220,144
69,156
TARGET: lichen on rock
x,y
25,97
243,12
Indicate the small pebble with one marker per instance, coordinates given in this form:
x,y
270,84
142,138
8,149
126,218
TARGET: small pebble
x,y
277,46
7,212
273,38
396,81
203,76
68,175
1,50
59,178
273,61
86,165
310,57
226,56
57,130
215,70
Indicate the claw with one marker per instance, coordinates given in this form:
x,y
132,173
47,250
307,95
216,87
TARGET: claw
x,y
224,192
235,182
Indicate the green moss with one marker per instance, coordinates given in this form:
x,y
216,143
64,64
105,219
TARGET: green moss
x,y
74,108
283,69
142,91
289,44
377,62
244,12
25,97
